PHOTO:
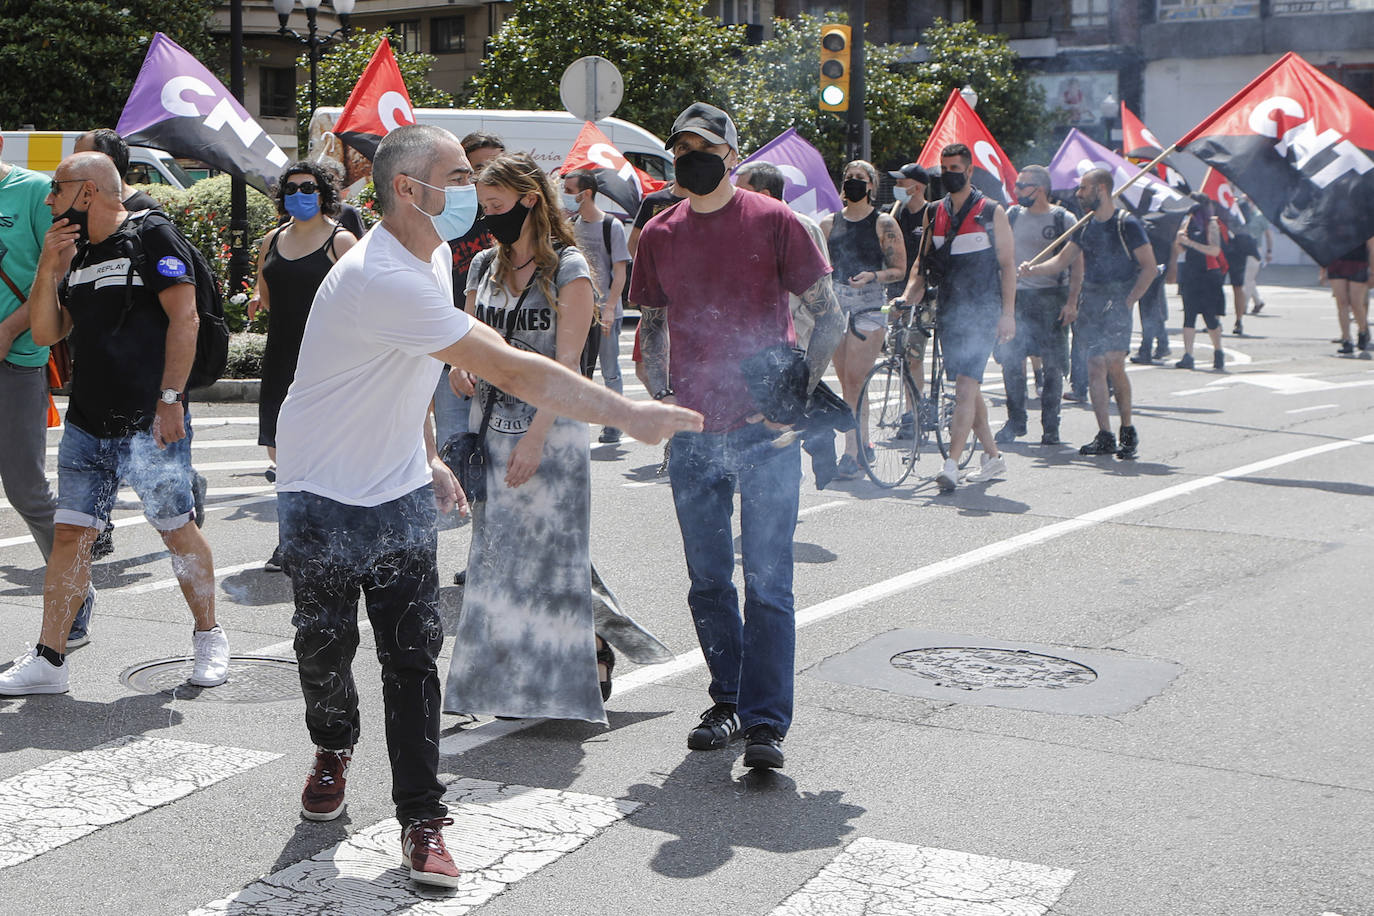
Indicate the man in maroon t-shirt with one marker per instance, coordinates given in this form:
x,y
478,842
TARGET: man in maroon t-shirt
x,y
712,275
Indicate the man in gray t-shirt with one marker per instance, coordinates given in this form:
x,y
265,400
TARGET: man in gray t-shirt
x,y
601,239
1045,307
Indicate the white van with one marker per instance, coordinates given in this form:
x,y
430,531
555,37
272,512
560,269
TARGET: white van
x,y
42,151
547,136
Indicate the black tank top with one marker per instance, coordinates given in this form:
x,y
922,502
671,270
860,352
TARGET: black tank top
x,y
854,245
292,282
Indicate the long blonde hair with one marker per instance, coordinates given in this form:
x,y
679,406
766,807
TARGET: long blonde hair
x,y
519,173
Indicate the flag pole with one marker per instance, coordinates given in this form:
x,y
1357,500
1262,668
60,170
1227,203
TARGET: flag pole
x,y
1115,195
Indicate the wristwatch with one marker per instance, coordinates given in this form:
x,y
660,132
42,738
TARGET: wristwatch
x,y
171,396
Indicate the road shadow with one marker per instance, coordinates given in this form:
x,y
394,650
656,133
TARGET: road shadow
x,y
609,451
709,814
548,753
802,552
310,838
645,473
257,587
1342,487
26,582
60,722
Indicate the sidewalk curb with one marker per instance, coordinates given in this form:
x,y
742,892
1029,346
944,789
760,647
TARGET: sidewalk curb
x,y
228,389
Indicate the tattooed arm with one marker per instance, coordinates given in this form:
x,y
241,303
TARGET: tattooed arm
x,y
894,251
818,301
653,346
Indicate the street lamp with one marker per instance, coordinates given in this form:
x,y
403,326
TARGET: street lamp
x,y
970,95
312,40
1109,114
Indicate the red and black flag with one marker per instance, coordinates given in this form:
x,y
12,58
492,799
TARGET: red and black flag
x,y
1140,145
1215,186
616,177
1301,146
378,104
993,173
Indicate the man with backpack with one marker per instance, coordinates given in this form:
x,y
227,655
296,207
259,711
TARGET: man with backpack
x,y
125,289
601,239
967,256
1045,307
1118,266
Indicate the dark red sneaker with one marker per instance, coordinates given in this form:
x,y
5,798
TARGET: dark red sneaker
x,y
422,848
323,797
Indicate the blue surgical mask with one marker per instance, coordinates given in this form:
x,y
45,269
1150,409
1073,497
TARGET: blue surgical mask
x,y
302,206
901,193
460,210
570,201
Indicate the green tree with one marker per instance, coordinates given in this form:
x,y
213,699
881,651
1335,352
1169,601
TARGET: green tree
x,y
669,53
70,64
775,86
343,64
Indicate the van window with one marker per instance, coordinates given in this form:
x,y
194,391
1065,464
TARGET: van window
x,y
656,166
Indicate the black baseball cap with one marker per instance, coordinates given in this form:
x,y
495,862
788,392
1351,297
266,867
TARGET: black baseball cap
x,y
708,122
913,171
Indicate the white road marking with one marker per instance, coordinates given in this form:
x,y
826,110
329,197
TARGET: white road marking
x,y
880,876
812,510
1313,407
260,465
126,498
140,520
199,445
500,834
55,803
1277,382
471,737
164,584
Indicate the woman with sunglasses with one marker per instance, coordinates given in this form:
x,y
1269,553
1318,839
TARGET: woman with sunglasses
x,y
293,260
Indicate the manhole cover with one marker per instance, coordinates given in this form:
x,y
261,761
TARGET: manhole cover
x,y
973,668
252,679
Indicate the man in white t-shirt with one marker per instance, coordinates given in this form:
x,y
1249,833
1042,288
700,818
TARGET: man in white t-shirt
x,y
358,478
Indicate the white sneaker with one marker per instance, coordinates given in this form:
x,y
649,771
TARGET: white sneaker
x,y
948,478
31,673
212,658
990,469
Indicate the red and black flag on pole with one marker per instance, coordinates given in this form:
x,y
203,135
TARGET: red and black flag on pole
x,y
993,173
616,177
1140,145
378,104
1302,147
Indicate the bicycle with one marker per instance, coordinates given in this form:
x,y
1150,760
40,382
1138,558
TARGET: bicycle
x,y
900,419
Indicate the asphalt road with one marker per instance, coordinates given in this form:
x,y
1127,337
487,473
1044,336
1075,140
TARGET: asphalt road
x,y
1094,688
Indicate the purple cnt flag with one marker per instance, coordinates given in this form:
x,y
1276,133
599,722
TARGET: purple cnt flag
x,y
1079,153
177,105
809,189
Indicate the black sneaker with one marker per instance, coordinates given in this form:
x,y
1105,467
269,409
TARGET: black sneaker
x,y
1219,360
1346,347
274,562
1142,358
1050,437
764,750
460,577
1238,330
1009,432
103,545
719,725
1104,444
848,468
1129,443
1363,342
609,436
1185,363
906,426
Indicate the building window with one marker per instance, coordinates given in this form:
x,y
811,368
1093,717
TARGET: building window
x,y
1091,14
1194,10
1358,78
406,34
277,92
738,12
448,35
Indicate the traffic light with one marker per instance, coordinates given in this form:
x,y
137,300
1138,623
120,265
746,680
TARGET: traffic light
x,y
835,60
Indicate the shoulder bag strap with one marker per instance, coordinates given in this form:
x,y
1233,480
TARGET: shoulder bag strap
x,y
14,287
491,389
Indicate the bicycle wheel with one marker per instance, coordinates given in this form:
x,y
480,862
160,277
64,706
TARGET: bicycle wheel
x,y
888,394
941,395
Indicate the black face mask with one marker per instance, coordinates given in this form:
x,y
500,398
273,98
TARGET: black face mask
x,y
78,219
505,227
1026,200
699,172
855,190
954,181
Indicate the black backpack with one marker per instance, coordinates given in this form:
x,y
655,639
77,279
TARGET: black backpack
x,y
212,336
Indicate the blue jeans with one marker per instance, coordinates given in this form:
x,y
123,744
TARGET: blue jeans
x,y
450,411
750,659
89,470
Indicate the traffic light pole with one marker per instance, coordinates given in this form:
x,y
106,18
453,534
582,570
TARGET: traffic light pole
x,y
857,139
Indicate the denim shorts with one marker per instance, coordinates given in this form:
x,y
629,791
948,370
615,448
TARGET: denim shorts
x,y
89,470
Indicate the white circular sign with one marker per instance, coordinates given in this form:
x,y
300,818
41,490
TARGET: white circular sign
x,y
591,88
